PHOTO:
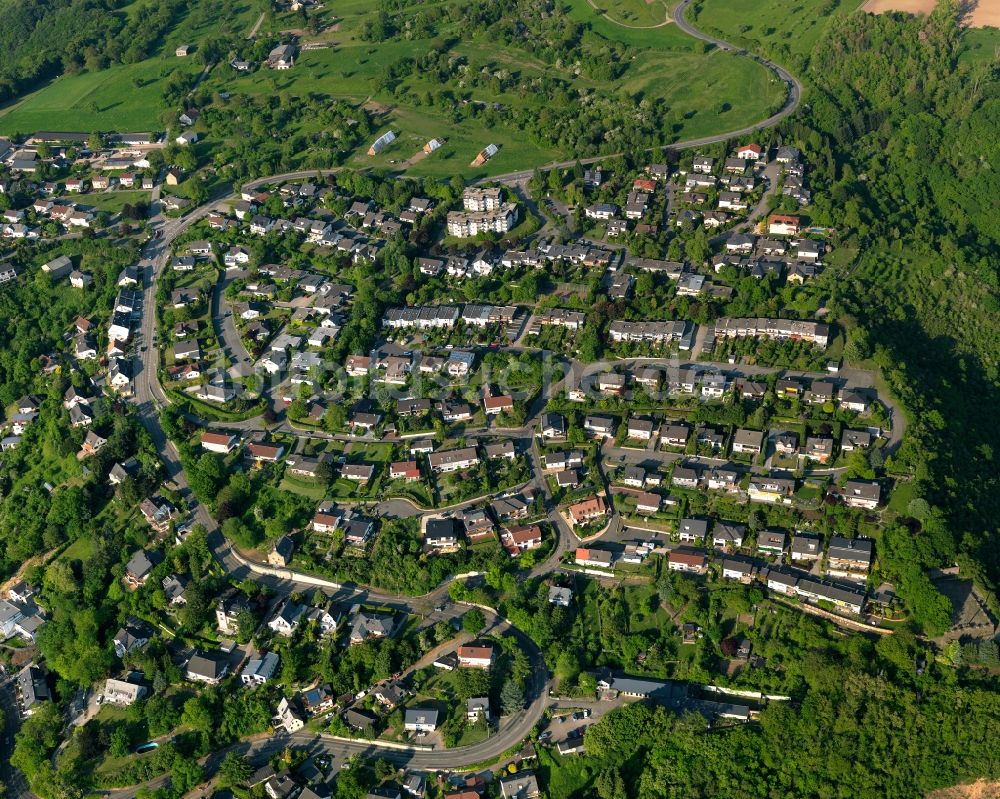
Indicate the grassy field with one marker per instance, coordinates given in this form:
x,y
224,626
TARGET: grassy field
x,y
634,13
980,45
708,92
207,20
113,201
780,30
109,100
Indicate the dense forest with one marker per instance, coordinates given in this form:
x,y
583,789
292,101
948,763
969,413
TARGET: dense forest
x,y
908,130
864,729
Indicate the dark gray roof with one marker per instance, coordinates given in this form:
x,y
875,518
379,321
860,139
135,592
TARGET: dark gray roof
x,y
857,549
695,527
140,565
33,687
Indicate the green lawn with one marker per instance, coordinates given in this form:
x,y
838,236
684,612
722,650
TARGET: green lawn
x,y
209,20
979,45
707,92
108,100
634,13
114,201
781,30
308,488
81,549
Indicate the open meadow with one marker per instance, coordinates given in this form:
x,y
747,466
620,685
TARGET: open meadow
x,y
784,31
705,90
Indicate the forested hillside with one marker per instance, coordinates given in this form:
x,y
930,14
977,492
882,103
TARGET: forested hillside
x,y
911,154
45,39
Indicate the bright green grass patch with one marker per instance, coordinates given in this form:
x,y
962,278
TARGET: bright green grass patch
x,y
307,488
108,100
667,37
980,45
114,201
207,20
709,91
633,13
785,32
415,127
81,549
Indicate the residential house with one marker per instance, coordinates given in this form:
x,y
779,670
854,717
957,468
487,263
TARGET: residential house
x,y
440,534
770,488
599,426
158,513
782,225
390,695
854,400
32,689
851,440
453,460
588,557
420,720
560,596
477,656
317,699
786,443
281,553
819,449
287,718
634,476
611,383
174,589
132,636
748,442
721,478
521,538
523,785
228,610
287,617
259,670
849,555
261,452
771,542
404,470
640,428
861,494
692,531
685,477
727,535
806,546
477,708
648,502
686,559
734,568
553,425
221,443
674,434
366,625
207,667
137,569
120,692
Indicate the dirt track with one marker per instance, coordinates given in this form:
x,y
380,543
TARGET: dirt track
x,y
978,14
980,789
